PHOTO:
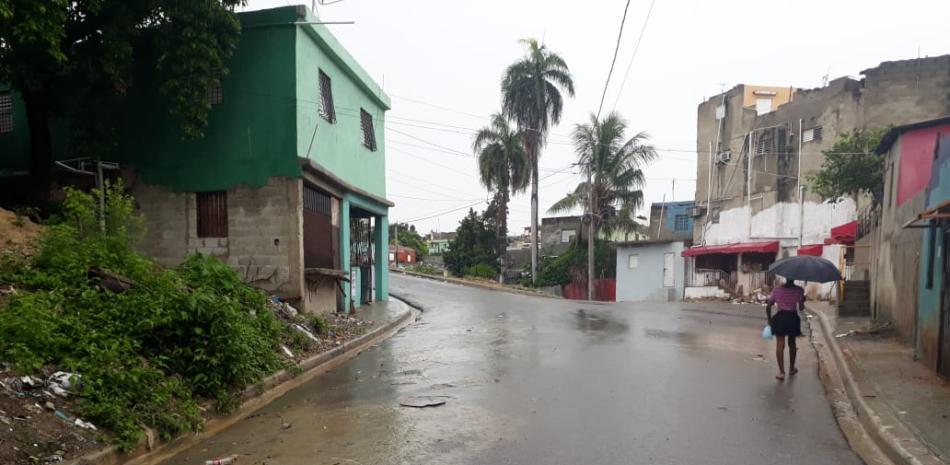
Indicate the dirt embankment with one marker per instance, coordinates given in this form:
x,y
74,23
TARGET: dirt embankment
x,y
17,233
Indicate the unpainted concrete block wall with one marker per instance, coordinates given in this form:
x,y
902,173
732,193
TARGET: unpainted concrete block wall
x,y
265,230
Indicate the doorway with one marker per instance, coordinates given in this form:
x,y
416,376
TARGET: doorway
x,y
943,358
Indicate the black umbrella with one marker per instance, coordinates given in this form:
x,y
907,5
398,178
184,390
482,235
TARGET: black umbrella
x,y
806,268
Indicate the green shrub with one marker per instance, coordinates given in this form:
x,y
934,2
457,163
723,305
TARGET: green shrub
x,y
481,270
145,355
319,324
424,269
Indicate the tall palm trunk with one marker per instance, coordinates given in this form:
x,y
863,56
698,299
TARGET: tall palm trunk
x,y
533,158
501,231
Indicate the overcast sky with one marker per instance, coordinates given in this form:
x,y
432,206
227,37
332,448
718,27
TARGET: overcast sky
x,y
441,62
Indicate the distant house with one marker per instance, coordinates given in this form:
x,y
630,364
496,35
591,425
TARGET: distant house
x,y
404,256
651,270
910,241
671,221
439,242
557,232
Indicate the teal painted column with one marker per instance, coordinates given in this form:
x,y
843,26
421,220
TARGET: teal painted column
x,y
381,245
345,250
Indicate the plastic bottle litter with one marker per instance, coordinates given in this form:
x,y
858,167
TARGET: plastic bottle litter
x,y
306,332
222,460
767,333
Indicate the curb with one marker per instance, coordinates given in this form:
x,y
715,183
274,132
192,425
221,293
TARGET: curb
x,y
463,282
890,437
152,451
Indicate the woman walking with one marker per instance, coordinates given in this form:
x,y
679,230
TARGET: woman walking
x,y
786,324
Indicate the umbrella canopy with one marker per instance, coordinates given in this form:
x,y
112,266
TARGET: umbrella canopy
x,y
806,268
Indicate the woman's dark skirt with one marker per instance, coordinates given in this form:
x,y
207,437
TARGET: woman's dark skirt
x,y
786,323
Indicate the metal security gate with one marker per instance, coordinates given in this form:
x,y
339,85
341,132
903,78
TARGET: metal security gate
x,y
361,255
943,358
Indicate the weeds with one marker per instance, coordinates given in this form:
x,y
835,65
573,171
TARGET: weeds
x,y
148,354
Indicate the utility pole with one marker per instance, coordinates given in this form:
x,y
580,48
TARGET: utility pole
x,y
590,234
396,239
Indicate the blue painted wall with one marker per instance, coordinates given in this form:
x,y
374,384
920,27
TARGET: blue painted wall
x,y
928,301
645,283
670,210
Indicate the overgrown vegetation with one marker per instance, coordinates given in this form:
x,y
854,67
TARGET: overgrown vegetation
x,y
408,237
149,348
424,269
481,270
475,245
573,263
851,167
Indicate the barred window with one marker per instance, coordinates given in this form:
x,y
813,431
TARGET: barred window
x,y
327,111
316,201
367,135
680,223
6,112
212,213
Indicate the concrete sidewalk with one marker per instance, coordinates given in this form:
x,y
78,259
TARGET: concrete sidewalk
x,y
904,405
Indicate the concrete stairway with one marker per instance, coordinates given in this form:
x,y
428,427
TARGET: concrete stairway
x,y
856,300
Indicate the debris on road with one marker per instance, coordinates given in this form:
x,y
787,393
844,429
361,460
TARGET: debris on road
x,y
423,401
222,460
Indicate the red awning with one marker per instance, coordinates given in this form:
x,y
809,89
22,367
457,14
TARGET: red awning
x,y
843,234
814,250
757,247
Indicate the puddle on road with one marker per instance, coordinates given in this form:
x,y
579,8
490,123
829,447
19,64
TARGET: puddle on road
x,y
600,326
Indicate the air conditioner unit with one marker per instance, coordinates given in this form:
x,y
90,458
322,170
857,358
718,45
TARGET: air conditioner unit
x,y
696,212
724,157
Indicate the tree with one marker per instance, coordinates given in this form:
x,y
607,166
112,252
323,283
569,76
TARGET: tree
x,y
503,167
851,167
475,244
73,60
615,165
408,237
531,96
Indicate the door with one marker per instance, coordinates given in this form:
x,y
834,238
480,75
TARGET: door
x,y
668,280
320,236
943,359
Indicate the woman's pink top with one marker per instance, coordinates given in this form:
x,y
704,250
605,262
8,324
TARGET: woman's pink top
x,y
787,298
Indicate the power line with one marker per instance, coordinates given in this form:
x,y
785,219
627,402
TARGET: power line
x,y
634,55
614,60
444,212
431,200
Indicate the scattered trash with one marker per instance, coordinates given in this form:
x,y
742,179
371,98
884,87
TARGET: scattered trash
x,y
844,334
84,424
289,310
53,458
49,405
30,382
286,351
423,401
222,460
62,416
306,332
286,425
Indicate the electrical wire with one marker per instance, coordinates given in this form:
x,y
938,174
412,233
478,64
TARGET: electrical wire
x,y
634,55
614,60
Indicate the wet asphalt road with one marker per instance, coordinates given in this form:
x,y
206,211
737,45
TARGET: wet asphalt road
x,y
541,381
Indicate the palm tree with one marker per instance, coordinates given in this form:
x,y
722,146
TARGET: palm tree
x,y
615,166
502,168
531,96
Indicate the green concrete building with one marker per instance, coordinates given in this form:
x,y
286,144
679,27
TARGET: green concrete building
x,y
288,185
